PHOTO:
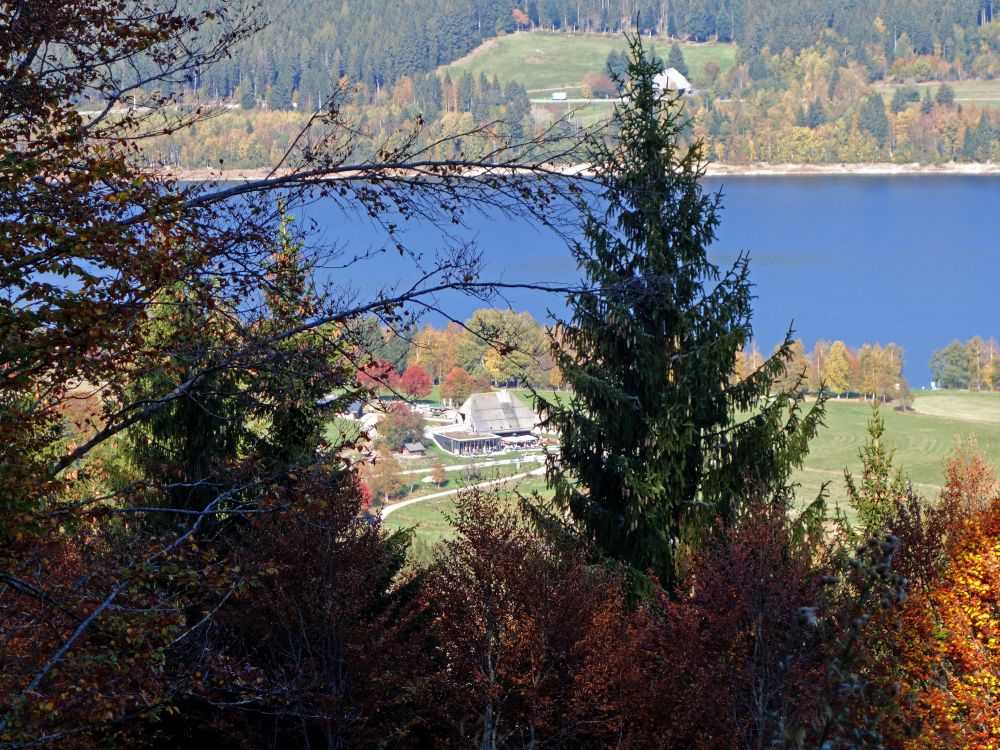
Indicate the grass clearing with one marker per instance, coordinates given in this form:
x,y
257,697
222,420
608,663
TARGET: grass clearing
x,y
549,396
429,519
986,93
551,61
923,440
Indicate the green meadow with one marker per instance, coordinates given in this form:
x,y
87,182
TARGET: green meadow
x,y
922,439
982,92
546,61
429,519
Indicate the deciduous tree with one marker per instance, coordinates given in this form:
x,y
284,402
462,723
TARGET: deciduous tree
x,y
415,382
837,368
400,425
456,386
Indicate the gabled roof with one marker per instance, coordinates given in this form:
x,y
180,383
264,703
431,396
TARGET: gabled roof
x,y
671,79
497,412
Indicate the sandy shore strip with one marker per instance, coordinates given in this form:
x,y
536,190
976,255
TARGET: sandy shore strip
x,y
873,169
861,170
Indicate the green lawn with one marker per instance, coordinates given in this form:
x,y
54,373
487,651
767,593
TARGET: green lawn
x,y
340,431
429,518
982,92
414,486
923,440
547,61
546,395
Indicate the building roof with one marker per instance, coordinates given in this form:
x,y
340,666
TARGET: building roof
x,y
671,79
414,447
497,412
462,436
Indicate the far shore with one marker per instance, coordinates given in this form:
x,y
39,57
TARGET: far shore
x,y
715,169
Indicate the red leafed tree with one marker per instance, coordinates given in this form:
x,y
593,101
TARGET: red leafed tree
x,y
457,385
302,654
737,644
520,17
529,645
377,374
415,382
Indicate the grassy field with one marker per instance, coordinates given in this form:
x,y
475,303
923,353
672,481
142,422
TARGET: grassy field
x,y
982,92
430,519
923,440
544,62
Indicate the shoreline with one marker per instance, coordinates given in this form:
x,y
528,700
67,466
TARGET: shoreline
x,y
870,169
714,169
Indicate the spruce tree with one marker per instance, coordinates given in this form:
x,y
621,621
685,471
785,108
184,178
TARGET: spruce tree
x,y
676,60
882,484
187,445
657,451
302,370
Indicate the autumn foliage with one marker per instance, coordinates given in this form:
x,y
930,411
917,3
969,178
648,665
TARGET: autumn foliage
x,y
187,559
415,382
943,652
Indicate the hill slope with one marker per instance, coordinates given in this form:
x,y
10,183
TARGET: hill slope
x,y
545,61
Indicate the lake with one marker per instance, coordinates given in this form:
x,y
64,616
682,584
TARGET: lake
x,y
909,259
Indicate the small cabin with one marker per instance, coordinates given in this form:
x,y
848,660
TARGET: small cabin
x,y
414,449
355,411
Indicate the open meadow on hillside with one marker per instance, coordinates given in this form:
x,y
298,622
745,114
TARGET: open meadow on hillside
x,y
923,439
984,92
543,61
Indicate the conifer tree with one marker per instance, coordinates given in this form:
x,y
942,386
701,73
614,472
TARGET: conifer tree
x,y
305,370
676,60
654,457
882,484
188,444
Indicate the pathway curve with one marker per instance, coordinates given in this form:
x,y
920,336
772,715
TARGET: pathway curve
x,y
390,509
530,458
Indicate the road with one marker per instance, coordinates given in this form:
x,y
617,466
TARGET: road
x,y
390,509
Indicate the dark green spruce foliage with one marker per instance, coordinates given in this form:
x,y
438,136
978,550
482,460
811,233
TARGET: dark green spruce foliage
x,y
194,444
654,455
188,444
881,483
676,61
872,118
305,372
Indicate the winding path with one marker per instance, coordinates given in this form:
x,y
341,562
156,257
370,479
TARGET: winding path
x,y
389,509
529,458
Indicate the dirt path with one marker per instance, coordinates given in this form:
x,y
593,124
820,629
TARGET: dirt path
x,y
390,509
532,458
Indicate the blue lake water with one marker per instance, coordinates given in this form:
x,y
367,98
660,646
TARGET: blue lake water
x,y
909,259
